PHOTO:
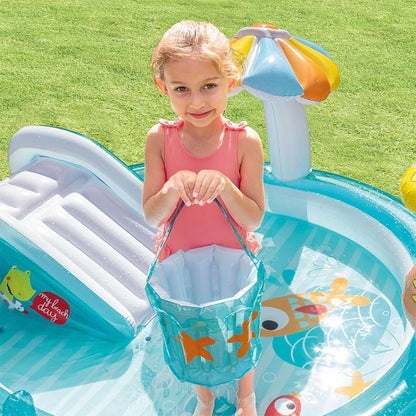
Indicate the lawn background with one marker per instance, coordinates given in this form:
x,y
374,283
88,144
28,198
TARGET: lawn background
x,y
84,66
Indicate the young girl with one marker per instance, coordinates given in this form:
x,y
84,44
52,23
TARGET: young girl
x,y
201,156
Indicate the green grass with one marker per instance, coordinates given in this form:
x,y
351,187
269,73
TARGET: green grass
x,y
84,65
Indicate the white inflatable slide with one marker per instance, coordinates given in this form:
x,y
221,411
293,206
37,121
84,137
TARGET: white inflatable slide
x,y
74,211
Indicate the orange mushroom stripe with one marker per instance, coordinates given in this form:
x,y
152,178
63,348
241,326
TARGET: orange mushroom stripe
x,y
309,74
326,64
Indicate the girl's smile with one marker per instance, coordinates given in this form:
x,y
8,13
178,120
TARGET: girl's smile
x,y
200,115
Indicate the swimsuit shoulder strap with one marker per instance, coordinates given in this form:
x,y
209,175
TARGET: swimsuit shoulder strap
x,y
171,124
234,126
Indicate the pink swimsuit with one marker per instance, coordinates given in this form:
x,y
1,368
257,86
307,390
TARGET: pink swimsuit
x,y
198,226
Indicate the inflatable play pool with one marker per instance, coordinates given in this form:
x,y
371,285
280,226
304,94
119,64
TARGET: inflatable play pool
x,y
78,336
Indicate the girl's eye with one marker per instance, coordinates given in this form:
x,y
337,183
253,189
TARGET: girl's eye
x,y
210,86
181,89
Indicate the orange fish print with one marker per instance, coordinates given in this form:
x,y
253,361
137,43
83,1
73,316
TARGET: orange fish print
x,y
297,312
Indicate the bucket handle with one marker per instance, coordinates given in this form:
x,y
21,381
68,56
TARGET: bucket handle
x,y
240,239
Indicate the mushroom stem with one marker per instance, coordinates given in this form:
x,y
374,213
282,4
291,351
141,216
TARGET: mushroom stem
x,y
288,139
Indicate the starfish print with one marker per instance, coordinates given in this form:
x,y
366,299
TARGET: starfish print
x,y
245,337
357,386
195,347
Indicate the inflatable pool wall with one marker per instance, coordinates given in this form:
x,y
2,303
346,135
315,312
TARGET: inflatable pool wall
x,y
74,246
75,251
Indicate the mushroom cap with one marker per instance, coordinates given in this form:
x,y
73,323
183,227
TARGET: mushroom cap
x,y
279,66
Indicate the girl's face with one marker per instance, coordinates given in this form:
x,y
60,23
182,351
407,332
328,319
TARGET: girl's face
x,y
197,90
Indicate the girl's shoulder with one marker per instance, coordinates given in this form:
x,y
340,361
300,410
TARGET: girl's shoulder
x,y
155,136
246,132
249,142
159,128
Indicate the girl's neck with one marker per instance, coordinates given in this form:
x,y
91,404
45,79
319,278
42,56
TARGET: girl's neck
x,y
208,133
202,141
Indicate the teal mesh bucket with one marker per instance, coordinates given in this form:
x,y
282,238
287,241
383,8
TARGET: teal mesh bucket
x,y
207,301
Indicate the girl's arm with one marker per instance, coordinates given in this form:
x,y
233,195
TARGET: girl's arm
x,y
160,197
246,205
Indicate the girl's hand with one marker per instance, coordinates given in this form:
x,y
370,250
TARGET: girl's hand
x,y
209,184
183,183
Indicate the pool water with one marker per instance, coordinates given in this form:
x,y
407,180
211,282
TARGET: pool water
x,y
327,364
332,326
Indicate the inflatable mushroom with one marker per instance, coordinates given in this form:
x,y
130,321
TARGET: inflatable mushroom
x,y
285,72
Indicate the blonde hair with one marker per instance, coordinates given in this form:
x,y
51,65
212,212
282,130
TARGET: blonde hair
x,y
200,40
